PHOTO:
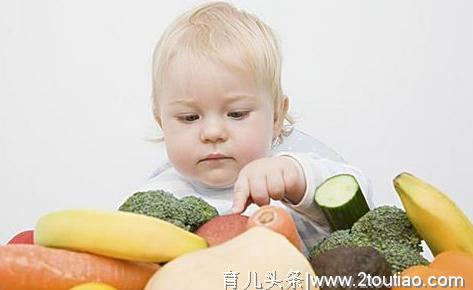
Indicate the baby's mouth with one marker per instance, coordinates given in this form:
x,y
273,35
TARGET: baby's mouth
x,y
214,157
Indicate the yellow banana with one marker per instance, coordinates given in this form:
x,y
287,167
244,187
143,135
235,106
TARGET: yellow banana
x,y
121,235
436,217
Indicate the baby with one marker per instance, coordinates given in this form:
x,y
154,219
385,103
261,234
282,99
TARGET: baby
x,y
218,99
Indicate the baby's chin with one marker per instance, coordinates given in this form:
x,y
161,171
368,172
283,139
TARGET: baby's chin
x,y
216,181
217,184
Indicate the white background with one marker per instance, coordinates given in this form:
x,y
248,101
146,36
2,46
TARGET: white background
x,y
387,84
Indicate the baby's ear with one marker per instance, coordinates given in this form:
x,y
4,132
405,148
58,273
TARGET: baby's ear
x,y
281,110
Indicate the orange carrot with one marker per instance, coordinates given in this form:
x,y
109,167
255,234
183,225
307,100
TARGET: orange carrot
x,y
33,267
276,219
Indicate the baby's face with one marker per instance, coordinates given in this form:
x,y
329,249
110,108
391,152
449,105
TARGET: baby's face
x,y
215,120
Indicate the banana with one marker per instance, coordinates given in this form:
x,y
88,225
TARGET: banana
x,y
436,217
121,235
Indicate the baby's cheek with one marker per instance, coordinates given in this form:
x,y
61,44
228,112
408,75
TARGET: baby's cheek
x,y
254,146
177,159
180,153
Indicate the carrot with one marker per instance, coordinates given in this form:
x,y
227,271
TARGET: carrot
x,y
33,267
276,219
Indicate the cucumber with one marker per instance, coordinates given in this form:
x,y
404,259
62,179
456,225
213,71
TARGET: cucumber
x,y
341,201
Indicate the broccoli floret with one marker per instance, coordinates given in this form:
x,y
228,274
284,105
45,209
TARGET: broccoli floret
x,y
197,211
188,213
386,229
401,256
334,240
157,203
387,223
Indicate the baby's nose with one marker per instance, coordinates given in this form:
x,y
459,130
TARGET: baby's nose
x,y
214,131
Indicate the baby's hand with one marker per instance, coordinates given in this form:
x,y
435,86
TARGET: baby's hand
x,y
268,178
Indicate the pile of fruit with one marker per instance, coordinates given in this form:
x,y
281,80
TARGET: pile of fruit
x,y
158,242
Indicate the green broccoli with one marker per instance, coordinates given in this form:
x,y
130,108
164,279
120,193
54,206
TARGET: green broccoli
x,y
197,211
397,252
188,213
387,223
401,256
159,204
386,229
334,240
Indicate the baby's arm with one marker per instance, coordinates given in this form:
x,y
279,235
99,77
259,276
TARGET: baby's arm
x,y
292,178
317,170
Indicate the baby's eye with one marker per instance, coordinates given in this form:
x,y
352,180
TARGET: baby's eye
x,y
189,118
238,114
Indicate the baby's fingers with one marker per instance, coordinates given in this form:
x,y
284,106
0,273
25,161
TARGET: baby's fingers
x,y
240,195
276,185
259,190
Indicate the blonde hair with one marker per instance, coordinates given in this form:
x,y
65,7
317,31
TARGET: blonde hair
x,y
218,30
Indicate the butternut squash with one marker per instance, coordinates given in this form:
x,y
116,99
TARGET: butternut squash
x,y
257,250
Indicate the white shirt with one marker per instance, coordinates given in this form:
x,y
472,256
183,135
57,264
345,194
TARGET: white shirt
x,y
318,162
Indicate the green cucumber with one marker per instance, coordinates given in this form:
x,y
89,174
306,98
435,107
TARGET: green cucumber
x,y
341,201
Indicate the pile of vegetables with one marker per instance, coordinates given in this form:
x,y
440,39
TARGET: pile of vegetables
x,y
430,215
156,241
121,249
386,229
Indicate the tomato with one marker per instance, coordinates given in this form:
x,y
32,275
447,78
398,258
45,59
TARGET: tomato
x,y
24,237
